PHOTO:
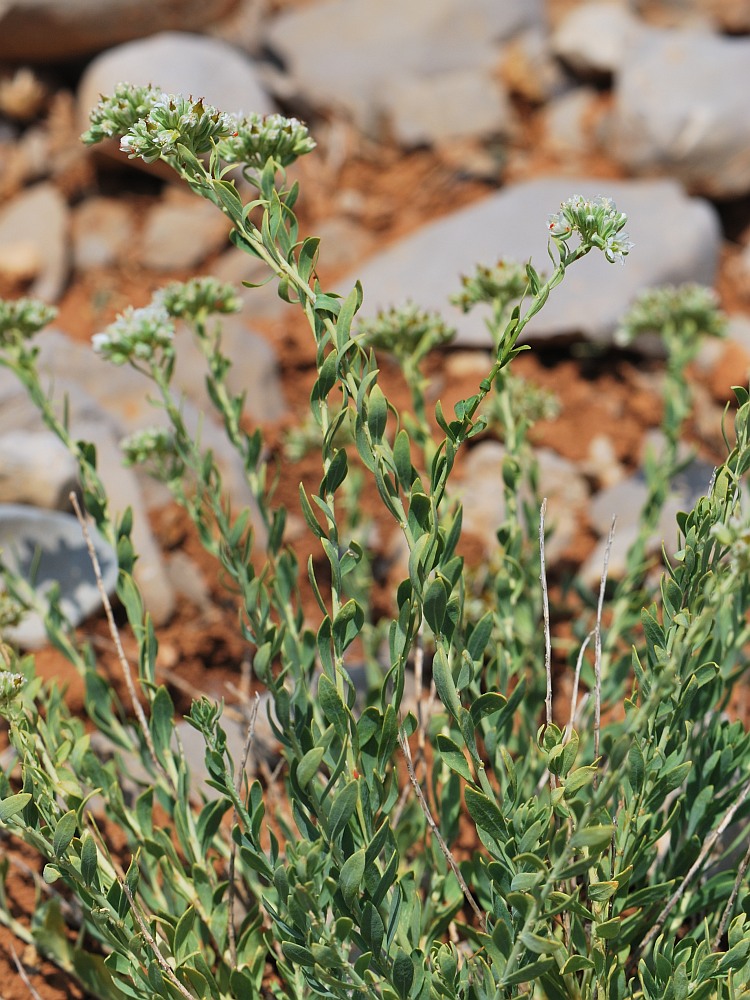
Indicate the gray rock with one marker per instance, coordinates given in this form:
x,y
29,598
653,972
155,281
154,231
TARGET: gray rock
x,y
711,15
41,30
90,420
343,53
483,497
625,501
179,63
47,548
181,231
568,120
528,68
236,266
677,239
36,469
123,491
699,128
593,38
254,371
35,225
461,104
95,386
103,230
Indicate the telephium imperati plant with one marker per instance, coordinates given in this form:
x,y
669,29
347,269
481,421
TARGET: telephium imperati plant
x,y
458,842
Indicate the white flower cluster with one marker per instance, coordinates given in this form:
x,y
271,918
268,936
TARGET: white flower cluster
x,y
506,282
258,139
690,308
137,335
20,319
152,445
199,297
596,221
10,687
114,115
174,121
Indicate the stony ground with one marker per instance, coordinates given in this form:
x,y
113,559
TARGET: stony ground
x,y
603,395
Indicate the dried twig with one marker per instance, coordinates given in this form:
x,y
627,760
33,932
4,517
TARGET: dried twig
x,y
24,975
481,917
576,679
598,641
163,963
732,897
113,631
239,774
708,845
545,607
547,636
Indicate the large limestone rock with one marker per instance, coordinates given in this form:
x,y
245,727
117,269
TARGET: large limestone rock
x,y
34,228
179,63
52,30
698,127
677,239
349,53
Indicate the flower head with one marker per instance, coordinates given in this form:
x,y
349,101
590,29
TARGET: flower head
x,y
259,138
597,223
114,115
154,447
22,318
407,331
685,311
504,283
153,124
10,687
199,297
137,335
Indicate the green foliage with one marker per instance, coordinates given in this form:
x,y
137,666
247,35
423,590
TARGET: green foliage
x,y
603,858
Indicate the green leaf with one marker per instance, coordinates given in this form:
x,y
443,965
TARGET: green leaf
x,y
403,974
64,833
480,636
576,963
600,892
653,631
636,767
485,814
444,683
539,945
229,198
487,704
307,513
296,954
308,766
347,625
89,859
377,414
402,460
609,929
336,473
530,972
350,878
343,808
13,805
181,934
372,927
307,257
453,756
333,707
596,838
161,723
435,603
